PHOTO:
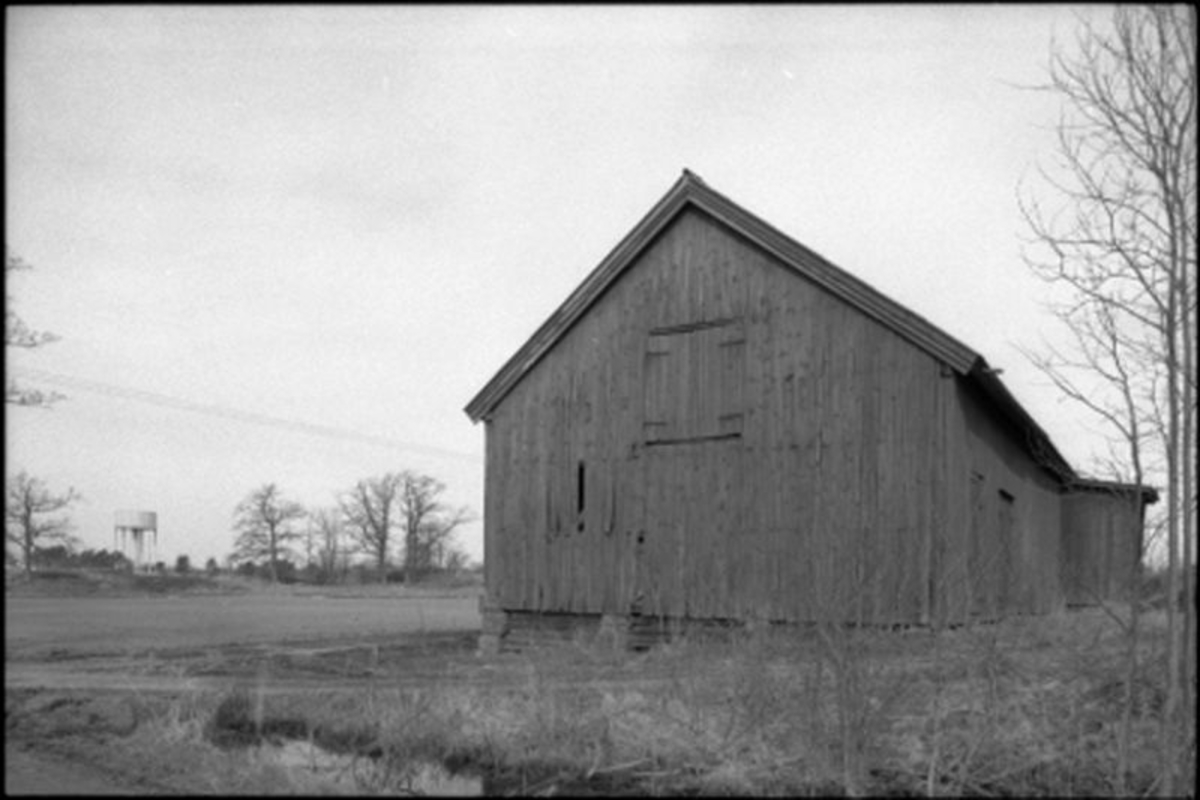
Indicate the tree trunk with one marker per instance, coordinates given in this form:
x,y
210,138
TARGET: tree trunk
x,y
1188,496
1167,733
410,551
272,550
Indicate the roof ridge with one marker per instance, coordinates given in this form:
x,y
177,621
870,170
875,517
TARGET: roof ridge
x,y
800,259
690,188
849,287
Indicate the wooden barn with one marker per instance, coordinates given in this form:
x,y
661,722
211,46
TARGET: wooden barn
x,y
1102,540
719,424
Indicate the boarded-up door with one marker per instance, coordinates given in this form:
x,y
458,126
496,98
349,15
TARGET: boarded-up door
x,y
691,451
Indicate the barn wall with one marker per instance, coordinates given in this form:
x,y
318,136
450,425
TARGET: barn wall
x,y
843,438
819,490
1102,545
1001,552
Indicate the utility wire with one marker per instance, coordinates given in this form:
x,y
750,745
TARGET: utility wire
x,y
253,418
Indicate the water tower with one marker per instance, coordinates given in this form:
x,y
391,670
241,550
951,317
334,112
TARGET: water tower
x,y
133,526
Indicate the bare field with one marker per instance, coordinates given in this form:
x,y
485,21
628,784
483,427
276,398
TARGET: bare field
x,y
72,627
72,651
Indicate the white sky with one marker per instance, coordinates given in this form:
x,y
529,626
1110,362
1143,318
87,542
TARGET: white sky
x,y
351,217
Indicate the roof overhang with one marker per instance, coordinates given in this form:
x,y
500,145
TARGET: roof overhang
x,y
1148,494
1037,442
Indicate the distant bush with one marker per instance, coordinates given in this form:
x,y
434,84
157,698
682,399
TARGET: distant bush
x,y
62,557
55,557
1154,588
364,573
183,565
212,567
59,575
315,574
285,571
104,559
164,582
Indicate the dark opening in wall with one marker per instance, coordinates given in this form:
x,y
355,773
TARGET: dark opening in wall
x,y
580,493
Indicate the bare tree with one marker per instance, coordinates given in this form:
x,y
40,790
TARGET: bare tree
x,y
18,334
28,521
263,523
1110,375
329,530
1122,246
368,511
436,548
428,524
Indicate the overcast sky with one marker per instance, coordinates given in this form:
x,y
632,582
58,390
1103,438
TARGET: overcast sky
x,y
290,244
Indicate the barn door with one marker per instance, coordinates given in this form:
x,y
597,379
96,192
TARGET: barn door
x,y
691,448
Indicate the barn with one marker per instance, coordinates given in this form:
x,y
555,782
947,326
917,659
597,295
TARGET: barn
x,y
718,424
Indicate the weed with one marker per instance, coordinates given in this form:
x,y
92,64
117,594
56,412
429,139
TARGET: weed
x,y
995,710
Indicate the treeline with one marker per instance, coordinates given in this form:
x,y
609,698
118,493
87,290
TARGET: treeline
x,y
64,556
394,514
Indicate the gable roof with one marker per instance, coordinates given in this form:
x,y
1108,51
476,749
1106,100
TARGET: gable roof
x,y
691,190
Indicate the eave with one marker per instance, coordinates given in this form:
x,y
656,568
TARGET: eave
x,y
1148,494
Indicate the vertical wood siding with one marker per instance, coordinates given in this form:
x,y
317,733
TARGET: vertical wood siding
x,y
1102,546
751,446
1002,548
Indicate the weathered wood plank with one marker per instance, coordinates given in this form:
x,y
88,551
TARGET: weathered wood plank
x,y
842,480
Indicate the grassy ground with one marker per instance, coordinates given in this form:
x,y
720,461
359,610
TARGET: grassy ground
x,y
1029,706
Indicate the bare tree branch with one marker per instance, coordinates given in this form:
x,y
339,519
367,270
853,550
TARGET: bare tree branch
x,y
28,523
263,522
1122,246
18,334
368,511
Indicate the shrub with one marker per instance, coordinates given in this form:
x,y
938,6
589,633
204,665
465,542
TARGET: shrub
x,y
1154,588
56,556
313,573
285,571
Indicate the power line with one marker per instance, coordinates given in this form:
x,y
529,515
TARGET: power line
x,y
250,417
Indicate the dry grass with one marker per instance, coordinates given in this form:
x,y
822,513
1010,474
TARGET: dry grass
x,y
1025,707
